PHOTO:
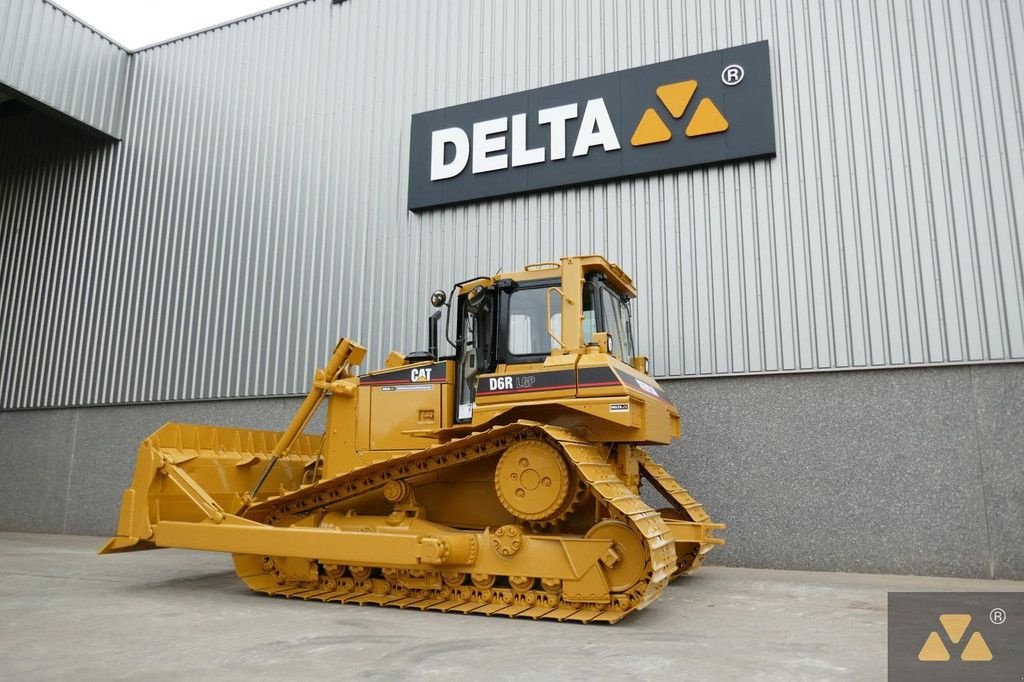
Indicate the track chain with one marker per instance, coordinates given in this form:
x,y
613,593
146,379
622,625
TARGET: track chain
x,y
309,498
664,483
596,470
683,503
591,462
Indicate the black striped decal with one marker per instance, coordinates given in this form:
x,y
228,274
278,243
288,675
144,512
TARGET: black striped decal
x,y
596,377
526,383
587,377
645,387
436,373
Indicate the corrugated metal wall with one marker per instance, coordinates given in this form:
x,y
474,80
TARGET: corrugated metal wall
x,y
256,208
52,58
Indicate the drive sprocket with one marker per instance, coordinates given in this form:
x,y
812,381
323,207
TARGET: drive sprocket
x,y
533,481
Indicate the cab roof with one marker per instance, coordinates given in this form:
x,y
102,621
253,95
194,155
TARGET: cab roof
x,y
615,275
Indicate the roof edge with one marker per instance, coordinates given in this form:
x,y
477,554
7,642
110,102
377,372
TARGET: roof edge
x,y
87,25
183,36
223,24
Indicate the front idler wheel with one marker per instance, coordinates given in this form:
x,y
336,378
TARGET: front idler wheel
x,y
626,564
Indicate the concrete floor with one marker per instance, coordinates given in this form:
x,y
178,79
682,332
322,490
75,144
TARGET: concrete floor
x,y
66,612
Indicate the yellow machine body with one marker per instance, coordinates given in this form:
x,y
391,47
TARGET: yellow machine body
x,y
503,479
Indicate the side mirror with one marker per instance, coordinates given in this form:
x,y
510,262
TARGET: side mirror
x,y
438,299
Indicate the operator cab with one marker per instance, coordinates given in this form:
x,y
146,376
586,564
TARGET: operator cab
x,y
519,321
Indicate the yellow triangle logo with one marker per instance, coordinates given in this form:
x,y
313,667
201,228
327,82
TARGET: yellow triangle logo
x,y
976,649
955,625
675,96
650,130
706,120
933,649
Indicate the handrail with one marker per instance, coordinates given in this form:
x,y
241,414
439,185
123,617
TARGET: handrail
x,y
547,300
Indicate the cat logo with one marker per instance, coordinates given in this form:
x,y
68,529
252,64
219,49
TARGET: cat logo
x,y
706,120
955,625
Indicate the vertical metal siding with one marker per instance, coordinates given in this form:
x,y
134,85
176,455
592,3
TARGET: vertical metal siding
x,y
54,59
256,207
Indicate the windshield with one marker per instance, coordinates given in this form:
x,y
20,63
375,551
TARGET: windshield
x,y
589,316
617,323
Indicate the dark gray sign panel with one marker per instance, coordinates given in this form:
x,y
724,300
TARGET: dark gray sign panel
x,y
694,111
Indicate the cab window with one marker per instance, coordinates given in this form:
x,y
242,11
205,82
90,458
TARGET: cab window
x,y
528,322
525,312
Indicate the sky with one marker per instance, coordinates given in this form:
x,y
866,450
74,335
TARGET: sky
x,y
137,23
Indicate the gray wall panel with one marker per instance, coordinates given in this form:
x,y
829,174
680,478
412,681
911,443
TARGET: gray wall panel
x,y
871,471
256,207
54,59
35,457
999,404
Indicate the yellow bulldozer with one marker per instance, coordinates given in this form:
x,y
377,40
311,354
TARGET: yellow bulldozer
x,y
502,479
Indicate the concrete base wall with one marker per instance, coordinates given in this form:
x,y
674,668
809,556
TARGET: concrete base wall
x,y
911,471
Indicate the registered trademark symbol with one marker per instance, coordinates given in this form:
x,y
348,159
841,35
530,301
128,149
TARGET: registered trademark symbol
x,y
997,616
732,74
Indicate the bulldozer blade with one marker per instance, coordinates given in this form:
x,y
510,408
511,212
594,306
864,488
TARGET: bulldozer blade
x,y
192,473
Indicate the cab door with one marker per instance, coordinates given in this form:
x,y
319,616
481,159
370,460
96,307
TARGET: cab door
x,y
475,347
